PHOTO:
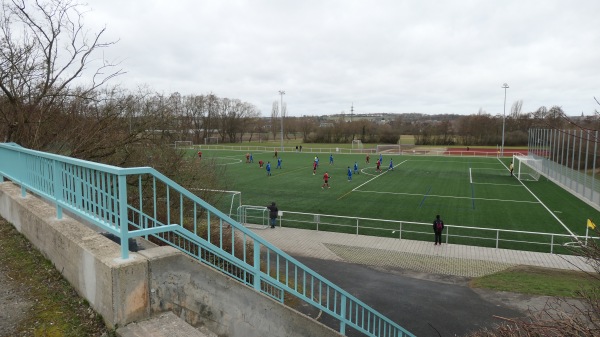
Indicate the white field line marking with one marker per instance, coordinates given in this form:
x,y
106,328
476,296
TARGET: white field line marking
x,y
511,185
377,176
236,161
451,197
363,171
546,207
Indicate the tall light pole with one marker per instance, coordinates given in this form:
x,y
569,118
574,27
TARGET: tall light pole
x,y
505,86
281,93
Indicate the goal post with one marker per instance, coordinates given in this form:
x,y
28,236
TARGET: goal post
x,y
184,144
211,140
527,168
357,144
389,148
227,202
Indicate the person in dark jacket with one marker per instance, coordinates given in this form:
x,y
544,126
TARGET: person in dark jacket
x,y
438,227
273,212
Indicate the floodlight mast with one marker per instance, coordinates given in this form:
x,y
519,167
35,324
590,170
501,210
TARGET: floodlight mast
x,y
281,93
505,86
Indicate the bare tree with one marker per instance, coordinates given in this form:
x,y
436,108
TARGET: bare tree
x,y
44,50
515,110
560,317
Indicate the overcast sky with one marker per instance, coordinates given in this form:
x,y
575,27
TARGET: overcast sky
x,y
425,56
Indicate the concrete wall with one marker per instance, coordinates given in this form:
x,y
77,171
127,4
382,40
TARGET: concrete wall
x,y
117,289
150,281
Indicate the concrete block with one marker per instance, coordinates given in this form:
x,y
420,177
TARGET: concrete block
x,y
163,325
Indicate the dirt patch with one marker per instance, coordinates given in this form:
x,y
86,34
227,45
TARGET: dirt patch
x,y
35,300
14,306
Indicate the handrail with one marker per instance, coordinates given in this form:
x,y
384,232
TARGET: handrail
x,y
140,201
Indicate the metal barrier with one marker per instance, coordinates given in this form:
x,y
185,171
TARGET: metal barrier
x,y
340,150
132,202
492,237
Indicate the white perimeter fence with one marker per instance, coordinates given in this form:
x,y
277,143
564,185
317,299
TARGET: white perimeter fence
x,y
257,216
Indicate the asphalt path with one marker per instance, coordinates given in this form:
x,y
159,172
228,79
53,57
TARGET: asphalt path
x,y
425,305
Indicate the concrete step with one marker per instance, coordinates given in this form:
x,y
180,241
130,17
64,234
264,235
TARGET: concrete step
x,y
164,325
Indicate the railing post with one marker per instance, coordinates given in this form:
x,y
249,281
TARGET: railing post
x,y
58,185
356,226
343,315
400,231
497,238
257,266
23,164
552,243
447,235
123,225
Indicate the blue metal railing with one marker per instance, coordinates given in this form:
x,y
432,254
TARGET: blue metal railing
x,y
133,202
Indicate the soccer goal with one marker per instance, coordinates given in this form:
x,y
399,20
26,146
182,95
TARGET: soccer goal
x,y
527,168
389,148
227,202
211,140
357,144
184,144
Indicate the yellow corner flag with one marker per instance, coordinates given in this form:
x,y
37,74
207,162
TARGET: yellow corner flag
x,y
590,224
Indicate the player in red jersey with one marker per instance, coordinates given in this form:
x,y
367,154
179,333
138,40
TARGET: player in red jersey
x,y
325,180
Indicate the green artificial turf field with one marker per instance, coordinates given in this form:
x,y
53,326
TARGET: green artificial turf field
x,y
468,193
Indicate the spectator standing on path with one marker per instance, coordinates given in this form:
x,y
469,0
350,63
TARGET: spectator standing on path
x,y
273,212
268,168
511,167
438,227
325,180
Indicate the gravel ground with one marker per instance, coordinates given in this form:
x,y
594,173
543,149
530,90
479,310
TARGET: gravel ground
x,y
14,304
35,300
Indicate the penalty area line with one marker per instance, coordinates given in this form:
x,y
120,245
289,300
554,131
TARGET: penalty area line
x,y
368,181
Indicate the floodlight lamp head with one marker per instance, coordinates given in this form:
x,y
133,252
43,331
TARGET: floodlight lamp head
x,y
505,86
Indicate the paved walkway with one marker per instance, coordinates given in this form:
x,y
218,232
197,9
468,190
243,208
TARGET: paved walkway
x,y
420,256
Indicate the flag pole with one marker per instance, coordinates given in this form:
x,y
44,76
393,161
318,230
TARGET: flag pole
x,y
587,230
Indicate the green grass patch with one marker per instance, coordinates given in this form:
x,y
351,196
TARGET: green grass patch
x,y
56,309
539,281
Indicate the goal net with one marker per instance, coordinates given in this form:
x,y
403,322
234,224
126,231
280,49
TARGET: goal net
x,y
227,202
389,148
357,144
211,140
184,144
527,168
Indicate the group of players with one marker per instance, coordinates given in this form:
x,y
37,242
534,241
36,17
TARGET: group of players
x,y
326,176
